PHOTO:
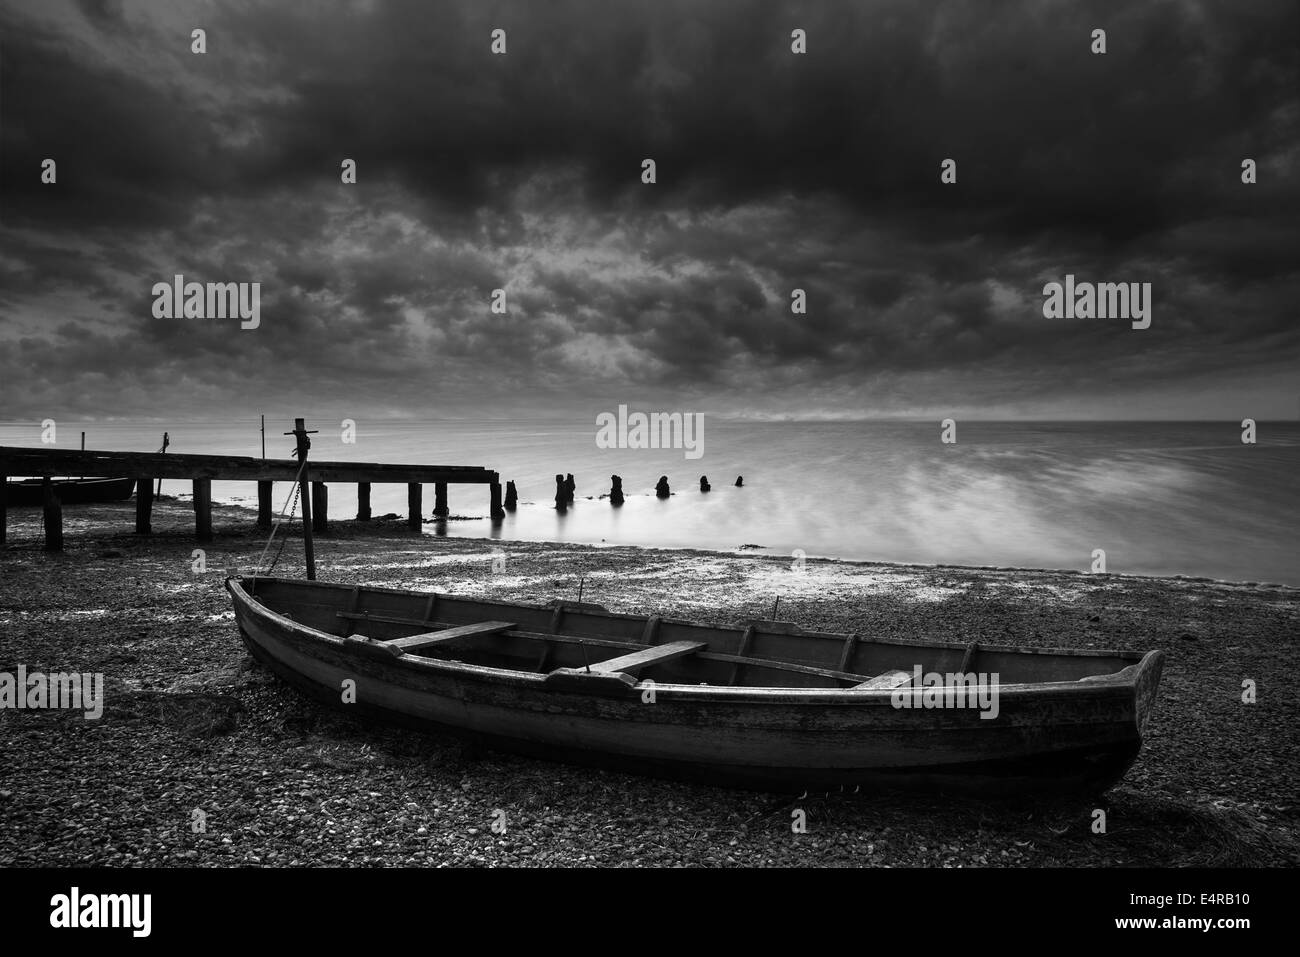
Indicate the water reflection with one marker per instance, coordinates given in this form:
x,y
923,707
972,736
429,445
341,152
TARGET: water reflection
x,y
1160,498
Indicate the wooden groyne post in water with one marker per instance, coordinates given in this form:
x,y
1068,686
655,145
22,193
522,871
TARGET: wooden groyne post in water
x,y
615,490
661,487
561,494
512,497
440,508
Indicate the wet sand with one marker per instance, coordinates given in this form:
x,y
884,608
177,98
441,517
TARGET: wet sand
x,y
192,724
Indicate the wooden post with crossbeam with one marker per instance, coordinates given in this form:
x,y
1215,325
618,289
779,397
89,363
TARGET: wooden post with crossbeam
x,y
304,492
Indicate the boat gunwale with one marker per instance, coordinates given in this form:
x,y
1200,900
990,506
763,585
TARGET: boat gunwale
x,y
1134,656
1123,681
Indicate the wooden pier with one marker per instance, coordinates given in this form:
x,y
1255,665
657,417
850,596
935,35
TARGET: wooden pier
x,y
203,470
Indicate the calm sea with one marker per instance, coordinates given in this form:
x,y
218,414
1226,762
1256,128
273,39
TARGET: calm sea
x,y
1160,498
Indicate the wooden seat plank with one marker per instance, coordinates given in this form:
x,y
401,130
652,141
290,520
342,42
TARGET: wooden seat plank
x,y
433,638
655,655
887,681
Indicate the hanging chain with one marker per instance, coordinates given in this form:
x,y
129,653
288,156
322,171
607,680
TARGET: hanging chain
x,y
293,510
297,488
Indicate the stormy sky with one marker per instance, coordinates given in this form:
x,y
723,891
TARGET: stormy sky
x,y
775,171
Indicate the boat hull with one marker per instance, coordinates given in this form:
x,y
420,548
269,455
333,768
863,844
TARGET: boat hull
x,y
70,491
1072,738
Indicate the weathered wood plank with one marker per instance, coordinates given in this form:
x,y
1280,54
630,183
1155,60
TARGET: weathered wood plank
x,y
393,619
850,646
656,655
745,639
431,639
890,679
776,665
651,633
16,460
353,603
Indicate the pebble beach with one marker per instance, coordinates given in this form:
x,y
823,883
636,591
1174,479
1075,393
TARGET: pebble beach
x,y
202,758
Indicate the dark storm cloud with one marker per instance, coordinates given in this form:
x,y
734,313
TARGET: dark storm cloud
x,y
775,171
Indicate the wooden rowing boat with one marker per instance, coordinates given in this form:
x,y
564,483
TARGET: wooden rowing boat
x,y
763,705
78,491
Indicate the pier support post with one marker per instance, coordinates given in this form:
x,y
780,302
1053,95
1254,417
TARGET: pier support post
x,y
203,509
53,517
440,509
4,507
494,504
512,497
320,507
264,505
363,501
414,493
143,506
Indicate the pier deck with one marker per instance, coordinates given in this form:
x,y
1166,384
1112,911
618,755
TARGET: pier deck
x,y
202,470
